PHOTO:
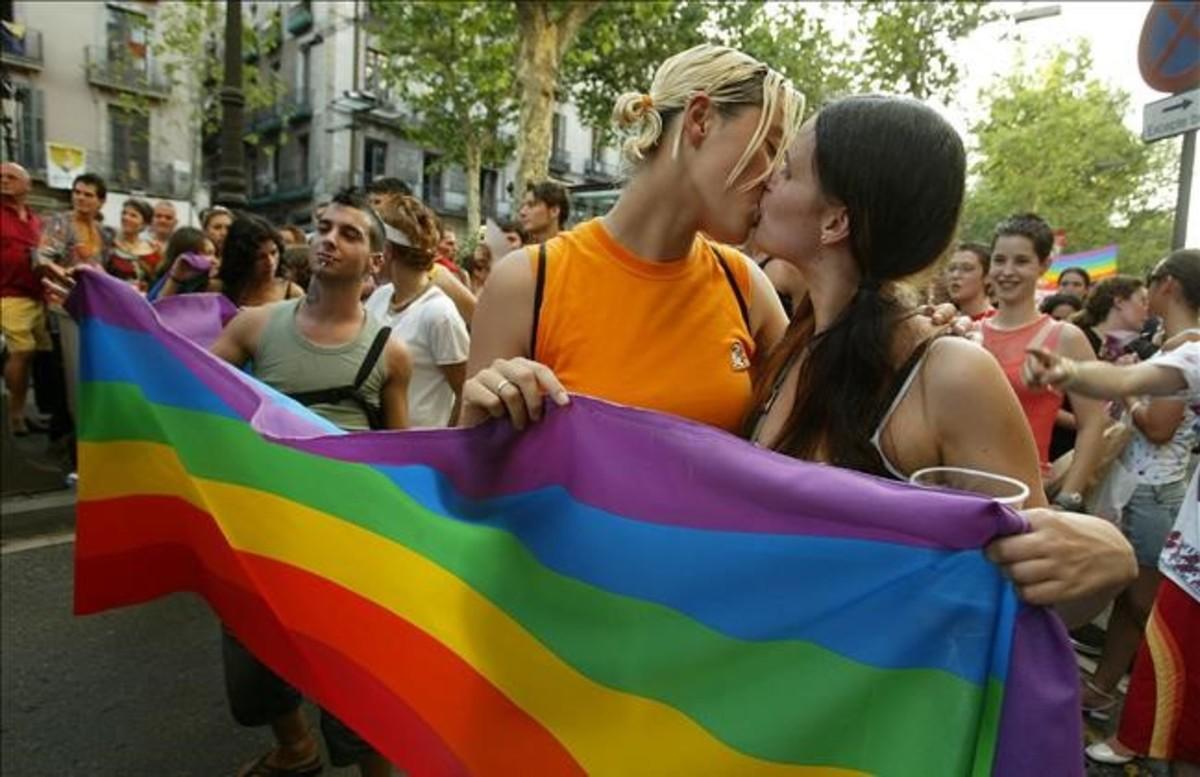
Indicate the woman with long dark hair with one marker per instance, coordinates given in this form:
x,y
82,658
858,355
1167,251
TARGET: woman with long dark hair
x,y
250,272
860,380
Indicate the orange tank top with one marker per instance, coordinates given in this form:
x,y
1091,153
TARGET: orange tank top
x,y
666,336
1041,406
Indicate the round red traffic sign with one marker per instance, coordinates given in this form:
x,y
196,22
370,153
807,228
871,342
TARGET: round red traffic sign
x,y
1169,51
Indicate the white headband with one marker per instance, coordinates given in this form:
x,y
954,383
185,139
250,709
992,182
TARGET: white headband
x,y
395,236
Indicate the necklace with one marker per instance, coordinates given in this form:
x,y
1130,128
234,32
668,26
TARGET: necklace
x,y
400,307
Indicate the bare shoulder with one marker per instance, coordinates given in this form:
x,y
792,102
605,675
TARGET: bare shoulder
x,y
760,279
253,317
240,338
1074,343
956,368
512,277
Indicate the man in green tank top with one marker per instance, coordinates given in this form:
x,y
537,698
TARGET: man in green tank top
x,y
318,349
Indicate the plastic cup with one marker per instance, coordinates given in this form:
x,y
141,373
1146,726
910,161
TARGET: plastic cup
x,y
1005,490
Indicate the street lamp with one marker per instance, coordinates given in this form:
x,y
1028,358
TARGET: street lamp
x,y
1031,14
231,175
354,102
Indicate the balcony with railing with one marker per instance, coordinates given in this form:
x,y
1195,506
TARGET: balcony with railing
x,y
560,160
597,169
292,185
20,47
447,203
122,72
291,107
138,175
267,40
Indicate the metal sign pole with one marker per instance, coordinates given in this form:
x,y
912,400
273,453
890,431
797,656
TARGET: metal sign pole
x,y
1187,161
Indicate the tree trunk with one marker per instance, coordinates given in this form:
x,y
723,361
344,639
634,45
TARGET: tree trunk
x,y
474,171
546,32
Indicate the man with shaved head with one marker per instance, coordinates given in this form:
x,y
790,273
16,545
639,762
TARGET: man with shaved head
x,y
164,223
22,312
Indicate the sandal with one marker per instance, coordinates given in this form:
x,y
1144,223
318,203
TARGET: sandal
x,y
1102,710
260,768
1104,753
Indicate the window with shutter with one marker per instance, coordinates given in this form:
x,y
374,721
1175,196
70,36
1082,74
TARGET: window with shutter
x,y
129,147
30,123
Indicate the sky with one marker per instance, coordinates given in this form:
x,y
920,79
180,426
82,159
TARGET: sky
x,y
1112,28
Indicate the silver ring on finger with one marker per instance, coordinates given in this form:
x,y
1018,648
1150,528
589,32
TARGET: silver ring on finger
x,y
502,384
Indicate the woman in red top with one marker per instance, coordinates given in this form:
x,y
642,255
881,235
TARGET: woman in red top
x,y
1020,255
132,258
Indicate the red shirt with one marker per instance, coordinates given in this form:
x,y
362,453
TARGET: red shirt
x,y
1009,346
449,264
18,242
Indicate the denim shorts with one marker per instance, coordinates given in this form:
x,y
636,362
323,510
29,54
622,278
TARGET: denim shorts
x,y
257,696
1148,517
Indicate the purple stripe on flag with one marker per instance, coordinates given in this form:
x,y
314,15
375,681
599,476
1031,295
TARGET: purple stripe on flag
x,y
109,300
198,317
643,480
1043,685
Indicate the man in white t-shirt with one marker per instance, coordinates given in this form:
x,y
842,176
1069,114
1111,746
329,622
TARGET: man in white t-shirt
x,y
437,339
421,314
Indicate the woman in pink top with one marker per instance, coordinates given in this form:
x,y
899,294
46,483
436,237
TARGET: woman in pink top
x,y
1020,255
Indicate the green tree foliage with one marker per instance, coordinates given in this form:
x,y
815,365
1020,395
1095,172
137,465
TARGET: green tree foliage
x,y
188,41
618,50
904,47
451,65
1053,142
908,44
795,40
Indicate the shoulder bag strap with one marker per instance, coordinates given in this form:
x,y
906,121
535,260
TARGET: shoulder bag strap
x,y
737,292
539,291
368,364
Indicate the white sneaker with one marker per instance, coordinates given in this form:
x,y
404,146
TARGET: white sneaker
x,y
1102,752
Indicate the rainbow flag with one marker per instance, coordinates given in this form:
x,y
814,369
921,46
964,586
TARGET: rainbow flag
x,y
614,592
1100,263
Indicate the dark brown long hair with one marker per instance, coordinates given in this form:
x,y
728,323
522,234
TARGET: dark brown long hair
x,y
899,168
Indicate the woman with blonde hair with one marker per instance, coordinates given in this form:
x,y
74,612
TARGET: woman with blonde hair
x,y
419,312
649,305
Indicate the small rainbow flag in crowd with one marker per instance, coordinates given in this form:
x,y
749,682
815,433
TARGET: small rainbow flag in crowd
x,y
1100,263
614,592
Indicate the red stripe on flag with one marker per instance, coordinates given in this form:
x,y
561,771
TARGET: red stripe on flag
x,y
364,663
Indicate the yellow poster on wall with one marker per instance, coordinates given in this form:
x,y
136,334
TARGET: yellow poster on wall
x,y
63,164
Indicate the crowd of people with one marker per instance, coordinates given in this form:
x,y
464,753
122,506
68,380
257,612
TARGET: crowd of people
x,y
758,273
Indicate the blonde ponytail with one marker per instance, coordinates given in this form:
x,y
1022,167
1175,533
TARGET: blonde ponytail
x,y
729,79
636,112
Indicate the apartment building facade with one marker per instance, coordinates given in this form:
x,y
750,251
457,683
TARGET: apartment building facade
x,y
67,71
337,123
68,66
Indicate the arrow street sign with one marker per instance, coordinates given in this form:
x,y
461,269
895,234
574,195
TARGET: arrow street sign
x,y
1173,116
